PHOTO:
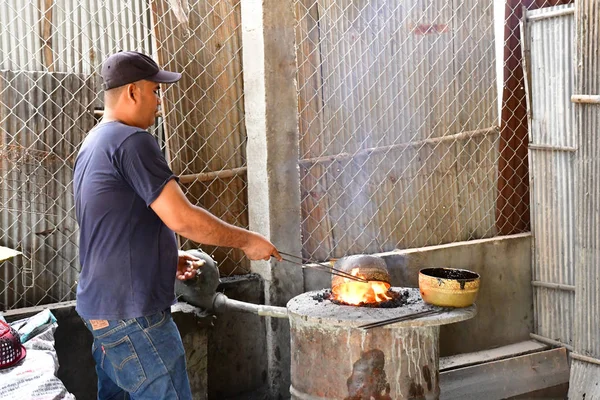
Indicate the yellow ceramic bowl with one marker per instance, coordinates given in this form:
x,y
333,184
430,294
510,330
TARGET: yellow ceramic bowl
x,y
448,287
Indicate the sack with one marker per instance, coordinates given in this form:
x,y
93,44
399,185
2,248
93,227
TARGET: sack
x,y
35,378
32,326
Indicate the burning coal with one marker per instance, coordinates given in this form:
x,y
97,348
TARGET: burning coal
x,y
394,299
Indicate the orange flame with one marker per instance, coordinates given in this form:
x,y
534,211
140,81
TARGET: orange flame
x,y
352,292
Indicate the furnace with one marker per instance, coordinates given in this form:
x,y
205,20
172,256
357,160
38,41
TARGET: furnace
x,y
333,357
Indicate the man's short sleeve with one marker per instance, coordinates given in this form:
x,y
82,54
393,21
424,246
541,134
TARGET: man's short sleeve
x,y
143,166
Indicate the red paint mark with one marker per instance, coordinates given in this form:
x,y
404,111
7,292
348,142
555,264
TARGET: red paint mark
x,y
29,371
428,29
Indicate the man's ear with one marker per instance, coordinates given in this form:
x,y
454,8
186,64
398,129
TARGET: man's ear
x,y
131,92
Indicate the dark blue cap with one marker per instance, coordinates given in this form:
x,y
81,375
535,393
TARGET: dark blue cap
x,y
127,67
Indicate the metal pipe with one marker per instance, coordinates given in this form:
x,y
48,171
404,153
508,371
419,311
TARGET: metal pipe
x,y
557,286
209,176
585,99
229,173
551,147
223,303
551,14
99,113
587,359
551,342
384,149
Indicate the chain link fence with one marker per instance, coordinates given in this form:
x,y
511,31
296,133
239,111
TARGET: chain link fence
x,y
398,116
50,97
402,144
398,123
205,135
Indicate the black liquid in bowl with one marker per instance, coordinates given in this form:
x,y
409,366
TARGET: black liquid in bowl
x,y
450,273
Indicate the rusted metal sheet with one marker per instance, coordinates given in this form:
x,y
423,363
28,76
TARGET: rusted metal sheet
x,y
316,224
473,63
204,111
44,119
582,373
376,75
477,178
548,44
417,200
70,35
405,204
513,214
586,346
385,72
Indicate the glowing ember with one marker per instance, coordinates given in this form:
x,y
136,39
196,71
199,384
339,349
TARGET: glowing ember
x,y
352,292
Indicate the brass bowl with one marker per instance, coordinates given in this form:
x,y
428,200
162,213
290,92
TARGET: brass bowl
x,y
448,287
372,268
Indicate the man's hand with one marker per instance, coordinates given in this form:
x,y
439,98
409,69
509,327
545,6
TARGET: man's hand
x,y
259,248
187,266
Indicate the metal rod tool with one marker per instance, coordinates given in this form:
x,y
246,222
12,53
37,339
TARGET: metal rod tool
x,y
321,267
406,317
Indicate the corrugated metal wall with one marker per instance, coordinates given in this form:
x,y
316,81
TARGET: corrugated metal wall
x,y
407,75
585,367
549,56
71,36
50,51
204,112
45,118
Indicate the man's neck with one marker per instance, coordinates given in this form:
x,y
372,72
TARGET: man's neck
x,y
112,116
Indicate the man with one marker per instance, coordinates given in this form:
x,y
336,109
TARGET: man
x,y
128,206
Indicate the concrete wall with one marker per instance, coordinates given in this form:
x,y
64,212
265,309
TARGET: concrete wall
x,y
505,300
271,118
237,346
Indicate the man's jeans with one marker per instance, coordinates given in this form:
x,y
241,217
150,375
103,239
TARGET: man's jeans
x,y
139,358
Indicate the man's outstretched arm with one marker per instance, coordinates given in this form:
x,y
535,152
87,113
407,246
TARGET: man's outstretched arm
x,y
199,225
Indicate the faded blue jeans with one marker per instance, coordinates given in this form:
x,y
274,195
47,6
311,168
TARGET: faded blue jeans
x,y
140,358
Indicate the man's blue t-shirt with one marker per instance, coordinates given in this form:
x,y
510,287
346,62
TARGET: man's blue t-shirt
x,y
128,255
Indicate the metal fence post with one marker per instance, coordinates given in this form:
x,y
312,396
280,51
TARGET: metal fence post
x,y
585,364
271,105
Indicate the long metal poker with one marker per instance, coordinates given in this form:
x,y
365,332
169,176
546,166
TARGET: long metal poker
x,y
415,315
322,267
329,270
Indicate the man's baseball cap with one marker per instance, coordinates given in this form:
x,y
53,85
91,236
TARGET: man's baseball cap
x,y
127,67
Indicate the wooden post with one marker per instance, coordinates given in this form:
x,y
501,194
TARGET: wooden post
x,y
47,53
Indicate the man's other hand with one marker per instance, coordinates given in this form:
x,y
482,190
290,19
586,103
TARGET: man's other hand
x,y
187,267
